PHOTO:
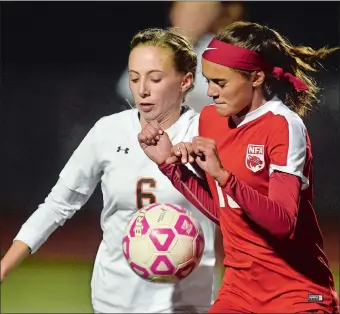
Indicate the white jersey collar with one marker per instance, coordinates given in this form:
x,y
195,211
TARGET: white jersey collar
x,y
265,108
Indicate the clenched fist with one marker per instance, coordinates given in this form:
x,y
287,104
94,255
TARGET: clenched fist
x,y
155,142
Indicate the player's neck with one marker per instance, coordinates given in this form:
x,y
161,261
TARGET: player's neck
x,y
257,102
166,120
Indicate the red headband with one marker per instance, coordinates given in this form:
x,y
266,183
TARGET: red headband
x,y
244,59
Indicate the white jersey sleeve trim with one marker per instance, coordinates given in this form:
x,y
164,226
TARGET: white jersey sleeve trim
x,y
220,195
297,148
305,181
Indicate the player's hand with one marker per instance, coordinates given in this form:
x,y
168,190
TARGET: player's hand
x,y
208,159
2,273
181,153
155,142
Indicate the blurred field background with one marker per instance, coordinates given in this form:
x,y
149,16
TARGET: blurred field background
x,y
57,278
58,287
60,65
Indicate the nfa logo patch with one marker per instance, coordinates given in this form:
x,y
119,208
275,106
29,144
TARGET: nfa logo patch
x,y
255,157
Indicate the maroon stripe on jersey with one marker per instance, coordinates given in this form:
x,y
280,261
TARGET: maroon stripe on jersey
x,y
193,188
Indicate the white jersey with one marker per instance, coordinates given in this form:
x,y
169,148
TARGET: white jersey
x,y
110,153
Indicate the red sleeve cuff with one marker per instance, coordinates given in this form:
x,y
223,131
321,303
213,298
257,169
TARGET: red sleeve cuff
x,y
164,166
226,181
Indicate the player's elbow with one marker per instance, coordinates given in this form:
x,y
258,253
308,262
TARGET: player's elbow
x,y
285,228
61,210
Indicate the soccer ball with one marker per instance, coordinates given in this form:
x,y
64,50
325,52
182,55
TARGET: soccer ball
x,y
163,243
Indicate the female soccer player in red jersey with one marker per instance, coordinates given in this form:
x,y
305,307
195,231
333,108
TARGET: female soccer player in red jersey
x,y
256,154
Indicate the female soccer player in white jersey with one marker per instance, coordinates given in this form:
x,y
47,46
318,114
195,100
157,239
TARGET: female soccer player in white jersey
x,y
162,66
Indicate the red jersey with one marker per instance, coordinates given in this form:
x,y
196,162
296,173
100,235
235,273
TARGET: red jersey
x,y
272,241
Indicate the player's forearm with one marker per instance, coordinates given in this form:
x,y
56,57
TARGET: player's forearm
x,y
60,205
194,189
276,212
14,256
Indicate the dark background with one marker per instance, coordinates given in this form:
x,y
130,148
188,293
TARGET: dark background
x,y
60,64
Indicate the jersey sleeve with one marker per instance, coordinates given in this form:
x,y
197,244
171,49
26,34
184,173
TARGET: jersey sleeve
x,y
59,205
76,184
277,212
193,188
83,170
287,147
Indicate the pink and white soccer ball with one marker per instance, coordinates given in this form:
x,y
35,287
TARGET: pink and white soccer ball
x,y
163,243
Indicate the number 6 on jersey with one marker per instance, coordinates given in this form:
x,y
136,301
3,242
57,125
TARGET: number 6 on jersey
x,y
143,197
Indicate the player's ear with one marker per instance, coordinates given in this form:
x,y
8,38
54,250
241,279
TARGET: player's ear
x,y
258,78
187,82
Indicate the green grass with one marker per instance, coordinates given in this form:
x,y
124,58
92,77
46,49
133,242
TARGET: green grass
x,y
52,287
48,287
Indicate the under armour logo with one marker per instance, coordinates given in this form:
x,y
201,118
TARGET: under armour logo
x,y
126,150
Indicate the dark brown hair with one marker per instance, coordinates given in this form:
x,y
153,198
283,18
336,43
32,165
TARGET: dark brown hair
x,y
185,58
279,52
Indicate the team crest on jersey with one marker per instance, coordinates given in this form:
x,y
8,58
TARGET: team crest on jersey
x,y
255,157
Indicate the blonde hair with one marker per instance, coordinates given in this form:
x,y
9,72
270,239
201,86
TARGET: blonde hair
x,y
184,55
